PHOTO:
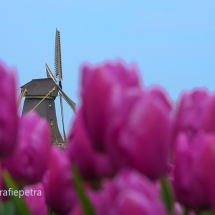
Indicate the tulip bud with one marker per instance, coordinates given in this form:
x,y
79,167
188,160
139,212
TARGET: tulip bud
x,y
35,199
134,194
91,163
102,88
61,196
194,166
195,112
8,111
177,209
127,193
170,174
29,161
100,85
139,133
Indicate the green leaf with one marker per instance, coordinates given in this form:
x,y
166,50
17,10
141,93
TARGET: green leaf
x,y
206,213
19,203
7,207
166,195
78,185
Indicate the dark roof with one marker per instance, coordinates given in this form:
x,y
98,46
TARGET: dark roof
x,y
40,87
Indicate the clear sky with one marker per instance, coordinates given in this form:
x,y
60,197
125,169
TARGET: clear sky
x,y
172,41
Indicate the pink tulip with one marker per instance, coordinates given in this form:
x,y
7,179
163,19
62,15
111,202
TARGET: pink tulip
x,y
195,112
34,198
8,111
91,163
194,166
101,86
132,193
139,133
60,194
29,161
177,209
170,174
128,193
120,123
45,183
102,89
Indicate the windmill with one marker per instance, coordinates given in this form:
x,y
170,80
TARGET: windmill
x,y
40,95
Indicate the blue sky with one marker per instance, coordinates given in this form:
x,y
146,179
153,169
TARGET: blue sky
x,y
172,42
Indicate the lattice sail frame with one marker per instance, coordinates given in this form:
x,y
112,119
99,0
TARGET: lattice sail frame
x,y
58,63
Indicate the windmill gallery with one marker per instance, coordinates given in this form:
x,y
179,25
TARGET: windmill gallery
x,y
40,95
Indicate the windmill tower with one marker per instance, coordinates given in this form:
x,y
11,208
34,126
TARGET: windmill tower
x,y
40,95
36,90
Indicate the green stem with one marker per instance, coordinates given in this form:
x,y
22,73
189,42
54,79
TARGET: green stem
x,y
78,185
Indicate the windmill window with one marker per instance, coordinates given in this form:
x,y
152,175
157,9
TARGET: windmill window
x,y
50,104
51,122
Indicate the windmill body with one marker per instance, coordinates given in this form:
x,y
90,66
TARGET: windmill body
x,y
36,90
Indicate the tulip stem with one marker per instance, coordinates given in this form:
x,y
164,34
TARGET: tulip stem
x,y
78,185
166,195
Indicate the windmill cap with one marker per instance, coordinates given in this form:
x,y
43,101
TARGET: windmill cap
x,y
40,87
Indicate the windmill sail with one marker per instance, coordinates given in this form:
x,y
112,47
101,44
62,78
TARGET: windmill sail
x,y
58,64
67,99
62,118
49,73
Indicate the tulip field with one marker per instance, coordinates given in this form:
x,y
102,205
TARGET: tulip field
x,y
130,150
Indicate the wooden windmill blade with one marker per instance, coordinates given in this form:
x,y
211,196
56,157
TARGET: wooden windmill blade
x,y
58,64
67,99
58,74
49,73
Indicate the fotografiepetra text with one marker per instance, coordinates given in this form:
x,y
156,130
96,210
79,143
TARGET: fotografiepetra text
x,y
20,193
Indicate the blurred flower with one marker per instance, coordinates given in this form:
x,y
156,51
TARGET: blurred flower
x,y
139,133
45,183
128,193
178,209
118,122
60,194
131,193
91,164
29,161
8,111
35,199
102,87
194,166
170,174
196,112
